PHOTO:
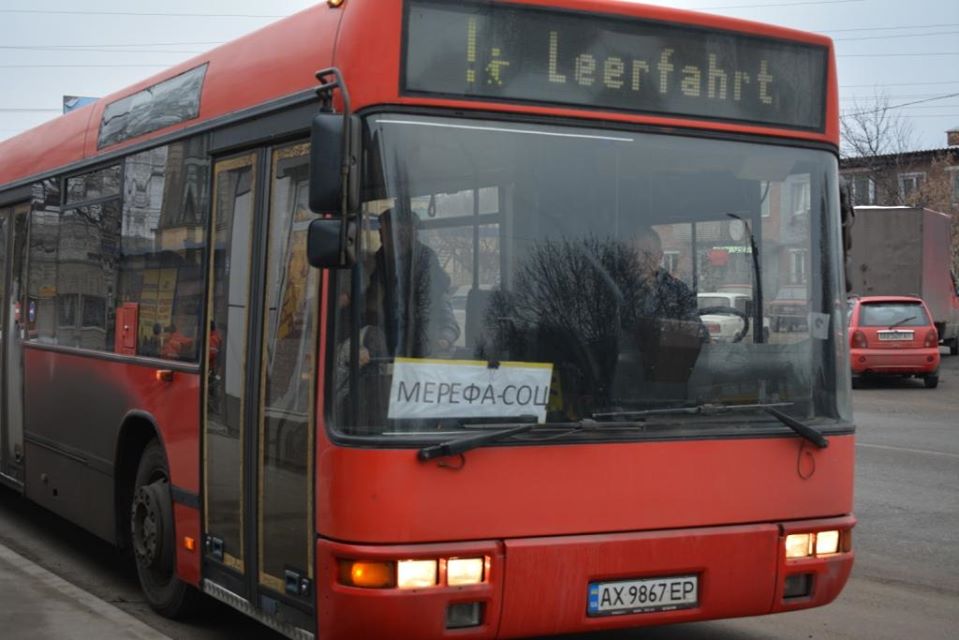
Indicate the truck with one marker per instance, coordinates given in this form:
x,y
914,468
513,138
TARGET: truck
x,y
907,251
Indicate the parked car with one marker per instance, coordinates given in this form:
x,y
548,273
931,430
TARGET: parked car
x,y
790,308
893,335
724,327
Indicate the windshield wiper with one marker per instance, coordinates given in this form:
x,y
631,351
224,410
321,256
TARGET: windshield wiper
x,y
709,409
491,433
902,322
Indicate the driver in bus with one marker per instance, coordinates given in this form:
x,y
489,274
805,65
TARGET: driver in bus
x,y
662,295
409,292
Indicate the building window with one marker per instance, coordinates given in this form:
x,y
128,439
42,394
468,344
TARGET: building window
x,y
797,266
909,184
798,193
764,188
670,261
863,190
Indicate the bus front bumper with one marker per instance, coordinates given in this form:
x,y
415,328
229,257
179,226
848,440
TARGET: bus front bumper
x,y
572,584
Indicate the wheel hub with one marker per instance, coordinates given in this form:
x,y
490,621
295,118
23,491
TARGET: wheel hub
x,y
147,524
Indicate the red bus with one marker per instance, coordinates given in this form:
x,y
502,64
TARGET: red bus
x,y
421,356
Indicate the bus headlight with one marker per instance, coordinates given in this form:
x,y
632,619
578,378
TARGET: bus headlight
x,y
415,574
827,542
806,545
799,545
464,571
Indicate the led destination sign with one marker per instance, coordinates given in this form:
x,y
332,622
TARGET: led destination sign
x,y
507,52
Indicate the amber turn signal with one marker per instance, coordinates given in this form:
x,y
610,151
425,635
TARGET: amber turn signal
x,y
371,575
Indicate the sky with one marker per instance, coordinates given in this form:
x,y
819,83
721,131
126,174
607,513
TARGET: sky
x,y
907,50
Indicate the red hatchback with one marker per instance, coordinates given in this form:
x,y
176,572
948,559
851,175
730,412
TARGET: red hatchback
x,y
893,335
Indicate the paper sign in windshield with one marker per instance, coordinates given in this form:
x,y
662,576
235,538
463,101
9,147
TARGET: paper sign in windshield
x,y
468,389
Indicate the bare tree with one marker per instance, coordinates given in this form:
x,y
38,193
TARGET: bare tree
x,y
878,139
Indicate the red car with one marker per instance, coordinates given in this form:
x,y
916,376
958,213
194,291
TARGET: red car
x,y
893,335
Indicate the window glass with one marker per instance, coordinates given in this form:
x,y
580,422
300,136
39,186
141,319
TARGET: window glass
x,y
103,183
161,105
166,196
910,183
234,205
568,274
885,314
288,366
863,190
88,254
42,299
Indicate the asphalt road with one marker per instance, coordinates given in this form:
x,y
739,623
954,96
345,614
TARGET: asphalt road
x,y
904,584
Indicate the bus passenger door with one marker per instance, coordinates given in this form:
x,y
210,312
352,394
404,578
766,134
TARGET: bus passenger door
x,y
13,239
259,400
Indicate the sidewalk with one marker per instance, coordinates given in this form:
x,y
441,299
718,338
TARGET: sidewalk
x,y
37,605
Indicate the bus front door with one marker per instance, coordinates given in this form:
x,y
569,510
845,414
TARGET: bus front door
x,y
260,387
13,232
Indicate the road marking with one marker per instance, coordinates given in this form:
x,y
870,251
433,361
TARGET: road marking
x,y
908,450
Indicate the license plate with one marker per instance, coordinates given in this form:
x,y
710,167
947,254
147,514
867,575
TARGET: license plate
x,y
643,596
896,335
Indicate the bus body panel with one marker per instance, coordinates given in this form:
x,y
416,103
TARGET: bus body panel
x,y
67,394
369,46
383,496
539,586
366,47
239,76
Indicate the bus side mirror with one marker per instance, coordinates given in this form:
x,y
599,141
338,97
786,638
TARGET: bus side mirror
x,y
334,164
329,243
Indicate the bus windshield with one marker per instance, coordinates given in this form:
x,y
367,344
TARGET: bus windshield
x,y
513,272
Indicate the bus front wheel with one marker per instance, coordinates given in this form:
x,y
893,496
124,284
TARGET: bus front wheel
x,y
153,537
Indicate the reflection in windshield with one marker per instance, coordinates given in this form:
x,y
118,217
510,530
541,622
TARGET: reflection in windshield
x,y
527,272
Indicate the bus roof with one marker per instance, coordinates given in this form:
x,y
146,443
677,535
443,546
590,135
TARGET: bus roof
x,y
364,39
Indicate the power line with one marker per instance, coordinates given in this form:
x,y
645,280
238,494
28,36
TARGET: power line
x,y
82,66
936,106
96,50
899,96
26,110
895,84
931,115
899,106
897,55
896,28
138,14
102,44
777,4
902,35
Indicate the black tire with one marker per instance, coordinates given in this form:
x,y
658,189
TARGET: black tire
x,y
153,538
931,382
954,347
857,382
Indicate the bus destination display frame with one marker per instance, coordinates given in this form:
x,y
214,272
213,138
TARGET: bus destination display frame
x,y
525,54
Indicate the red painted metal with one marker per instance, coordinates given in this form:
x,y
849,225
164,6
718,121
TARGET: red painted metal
x,y
366,47
173,406
538,586
387,496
